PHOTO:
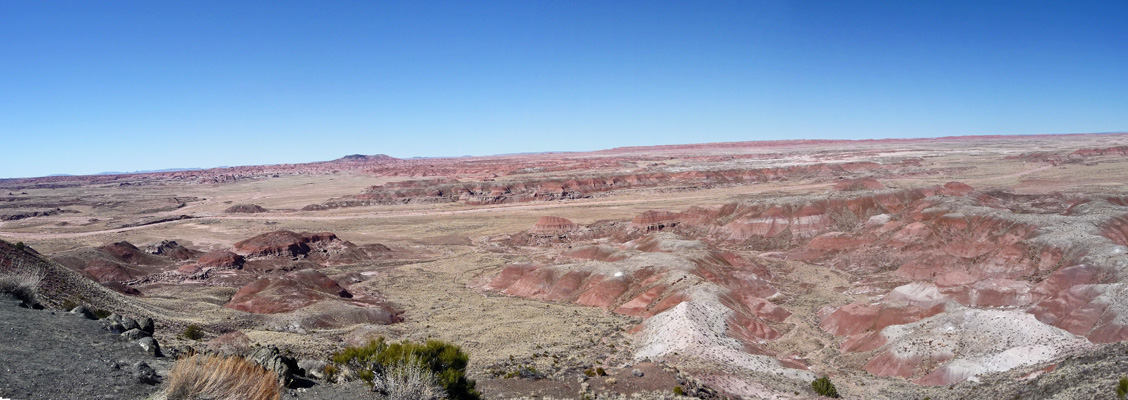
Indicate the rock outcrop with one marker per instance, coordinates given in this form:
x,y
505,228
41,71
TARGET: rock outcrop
x,y
552,227
245,209
281,243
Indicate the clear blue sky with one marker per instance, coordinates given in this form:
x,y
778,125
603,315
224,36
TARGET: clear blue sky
x,y
92,86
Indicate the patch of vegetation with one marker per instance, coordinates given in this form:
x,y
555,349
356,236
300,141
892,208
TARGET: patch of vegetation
x,y
20,246
589,372
525,372
193,332
599,371
377,361
23,285
217,377
101,314
679,391
1122,387
330,372
824,388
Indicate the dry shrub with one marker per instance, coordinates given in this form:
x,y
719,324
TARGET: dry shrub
x,y
230,344
221,378
23,284
409,380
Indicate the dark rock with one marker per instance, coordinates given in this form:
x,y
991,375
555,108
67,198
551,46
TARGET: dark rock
x,y
312,368
129,324
144,373
271,359
134,334
83,311
150,345
112,326
147,325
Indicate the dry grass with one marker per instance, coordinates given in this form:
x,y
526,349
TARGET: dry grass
x,y
22,284
221,378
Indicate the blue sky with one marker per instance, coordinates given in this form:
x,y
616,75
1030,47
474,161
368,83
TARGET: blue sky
x,y
92,86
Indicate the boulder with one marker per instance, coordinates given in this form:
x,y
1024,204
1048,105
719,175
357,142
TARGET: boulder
x,y
273,360
147,325
83,311
144,373
134,334
129,324
112,326
312,368
150,345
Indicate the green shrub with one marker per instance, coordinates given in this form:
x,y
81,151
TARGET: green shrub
x,y
447,362
679,391
193,332
1122,387
824,388
101,314
599,371
20,246
589,372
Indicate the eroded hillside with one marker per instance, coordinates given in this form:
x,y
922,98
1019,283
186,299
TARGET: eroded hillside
x,y
936,267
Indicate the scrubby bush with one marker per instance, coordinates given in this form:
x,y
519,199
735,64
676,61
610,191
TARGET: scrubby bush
x,y
1122,387
600,371
525,372
221,378
824,388
377,359
23,285
20,246
589,372
679,391
193,332
409,380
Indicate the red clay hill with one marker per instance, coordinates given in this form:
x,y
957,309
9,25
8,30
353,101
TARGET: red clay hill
x,y
1031,278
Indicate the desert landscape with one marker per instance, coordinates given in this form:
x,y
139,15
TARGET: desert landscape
x,y
942,268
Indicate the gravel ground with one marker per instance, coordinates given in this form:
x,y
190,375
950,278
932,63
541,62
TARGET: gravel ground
x,y
57,355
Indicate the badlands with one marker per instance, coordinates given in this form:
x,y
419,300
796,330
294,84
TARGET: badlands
x,y
942,268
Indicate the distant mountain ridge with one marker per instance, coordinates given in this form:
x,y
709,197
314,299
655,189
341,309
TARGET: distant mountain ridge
x,y
148,171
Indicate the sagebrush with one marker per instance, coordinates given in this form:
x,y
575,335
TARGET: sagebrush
x,y
221,378
193,332
377,359
824,387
